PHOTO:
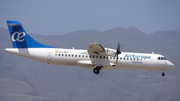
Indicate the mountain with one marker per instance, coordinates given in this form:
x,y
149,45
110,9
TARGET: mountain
x,y
14,86
76,83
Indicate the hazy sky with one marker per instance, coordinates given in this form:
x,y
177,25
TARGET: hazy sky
x,y
63,16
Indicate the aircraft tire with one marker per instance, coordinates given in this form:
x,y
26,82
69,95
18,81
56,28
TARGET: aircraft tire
x,y
163,74
96,70
98,67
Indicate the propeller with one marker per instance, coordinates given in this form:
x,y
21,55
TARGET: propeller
x,y
117,52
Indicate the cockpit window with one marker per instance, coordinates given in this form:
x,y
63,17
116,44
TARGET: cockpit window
x,y
162,58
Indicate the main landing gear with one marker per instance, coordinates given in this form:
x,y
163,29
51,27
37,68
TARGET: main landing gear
x,y
97,69
163,74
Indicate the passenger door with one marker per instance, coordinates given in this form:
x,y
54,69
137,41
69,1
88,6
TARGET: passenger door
x,y
49,56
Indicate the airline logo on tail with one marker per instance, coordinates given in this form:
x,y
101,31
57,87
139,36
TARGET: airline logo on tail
x,y
19,36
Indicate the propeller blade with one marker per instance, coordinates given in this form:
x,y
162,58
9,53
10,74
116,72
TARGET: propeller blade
x,y
116,59
118,49
117,52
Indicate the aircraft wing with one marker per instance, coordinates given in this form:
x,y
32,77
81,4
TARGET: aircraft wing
x,y
95,48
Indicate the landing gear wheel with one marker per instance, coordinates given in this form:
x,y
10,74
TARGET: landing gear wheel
x,y
163,74
96,71
98,67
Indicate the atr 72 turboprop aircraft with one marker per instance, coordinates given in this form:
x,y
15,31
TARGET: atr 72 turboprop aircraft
x,y
95,57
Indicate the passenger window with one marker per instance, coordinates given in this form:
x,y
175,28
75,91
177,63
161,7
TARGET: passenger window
x,y
124,58
107,57
93,56
110,57
134,58
59,54
96,56
69,55
100,57
86,56
104,57
62,54
89,56
79,55
75,55
72,55
127,58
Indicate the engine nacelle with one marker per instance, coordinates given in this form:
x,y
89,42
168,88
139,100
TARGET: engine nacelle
x,y
110,52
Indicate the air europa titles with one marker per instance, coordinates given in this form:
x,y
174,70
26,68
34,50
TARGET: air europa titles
x,y
137,56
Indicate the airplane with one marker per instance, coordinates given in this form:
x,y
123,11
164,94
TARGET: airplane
x,y
95,57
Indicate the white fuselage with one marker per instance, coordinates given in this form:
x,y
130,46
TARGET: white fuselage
x,y
96,57
74,57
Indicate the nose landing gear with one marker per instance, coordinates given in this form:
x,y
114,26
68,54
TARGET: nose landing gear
x,y
163,74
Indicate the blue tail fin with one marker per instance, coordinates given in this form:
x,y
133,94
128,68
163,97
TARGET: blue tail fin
x,y
19,37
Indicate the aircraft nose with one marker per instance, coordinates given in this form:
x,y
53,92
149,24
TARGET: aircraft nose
x,y
170,64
